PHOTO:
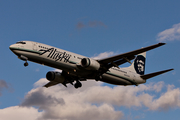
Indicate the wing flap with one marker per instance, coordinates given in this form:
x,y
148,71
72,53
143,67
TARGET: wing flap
x,y
147,76
120,62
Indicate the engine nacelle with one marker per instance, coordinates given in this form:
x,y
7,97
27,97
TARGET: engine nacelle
x,y
55,76
90,64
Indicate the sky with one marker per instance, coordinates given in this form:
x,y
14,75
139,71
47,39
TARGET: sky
x,y
95,29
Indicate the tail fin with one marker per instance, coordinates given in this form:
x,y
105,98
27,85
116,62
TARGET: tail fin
x,y
138,65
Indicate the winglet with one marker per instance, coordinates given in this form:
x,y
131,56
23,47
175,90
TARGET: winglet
x,y
162,43
147,76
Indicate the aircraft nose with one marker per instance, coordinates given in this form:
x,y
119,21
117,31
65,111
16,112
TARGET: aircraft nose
x,y
11,47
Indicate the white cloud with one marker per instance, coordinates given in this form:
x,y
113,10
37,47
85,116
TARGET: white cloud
x,y
19,113
122,96
92,101
169,99
63,103
170,34
103,55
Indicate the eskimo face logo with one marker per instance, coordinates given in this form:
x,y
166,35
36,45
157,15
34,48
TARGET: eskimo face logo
x,y
139,64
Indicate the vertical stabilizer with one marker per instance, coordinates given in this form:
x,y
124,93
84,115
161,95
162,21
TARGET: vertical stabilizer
x,y
138,65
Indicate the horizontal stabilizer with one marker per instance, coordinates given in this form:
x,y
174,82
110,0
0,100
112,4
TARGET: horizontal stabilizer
x,y
147,76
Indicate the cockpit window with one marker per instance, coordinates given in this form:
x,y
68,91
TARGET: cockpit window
x,y
21,42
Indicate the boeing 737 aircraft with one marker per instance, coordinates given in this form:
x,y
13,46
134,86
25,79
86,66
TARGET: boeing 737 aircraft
x,y
76,68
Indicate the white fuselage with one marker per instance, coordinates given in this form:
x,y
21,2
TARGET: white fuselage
x,y
70,62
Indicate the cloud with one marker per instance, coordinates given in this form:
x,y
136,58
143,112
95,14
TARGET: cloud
x,y
38,98
170,34
63,103
19,113
3,85
169,99
80,25
92,101
103,55
122,96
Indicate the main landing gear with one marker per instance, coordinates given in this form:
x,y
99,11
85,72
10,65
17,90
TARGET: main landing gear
x,y
98,78
77,84
24,58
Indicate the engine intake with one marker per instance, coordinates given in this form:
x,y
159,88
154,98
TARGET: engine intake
x,y
90,64
55,76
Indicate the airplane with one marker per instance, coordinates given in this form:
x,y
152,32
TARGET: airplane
x,y
77,68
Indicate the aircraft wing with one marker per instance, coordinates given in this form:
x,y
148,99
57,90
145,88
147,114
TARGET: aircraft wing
x,y
51,83
126,57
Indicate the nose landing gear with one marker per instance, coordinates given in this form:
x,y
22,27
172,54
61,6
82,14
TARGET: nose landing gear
x,y
24,58
26,64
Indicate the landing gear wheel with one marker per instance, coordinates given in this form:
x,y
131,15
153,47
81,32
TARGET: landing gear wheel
x,y
77,84
26,64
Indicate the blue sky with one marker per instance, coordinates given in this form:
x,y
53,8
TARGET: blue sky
x,y
91,28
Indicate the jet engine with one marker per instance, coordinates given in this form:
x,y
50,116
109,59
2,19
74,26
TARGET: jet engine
x,y
55,76
90,64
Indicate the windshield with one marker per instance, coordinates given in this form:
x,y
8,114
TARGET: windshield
x,y
21,42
